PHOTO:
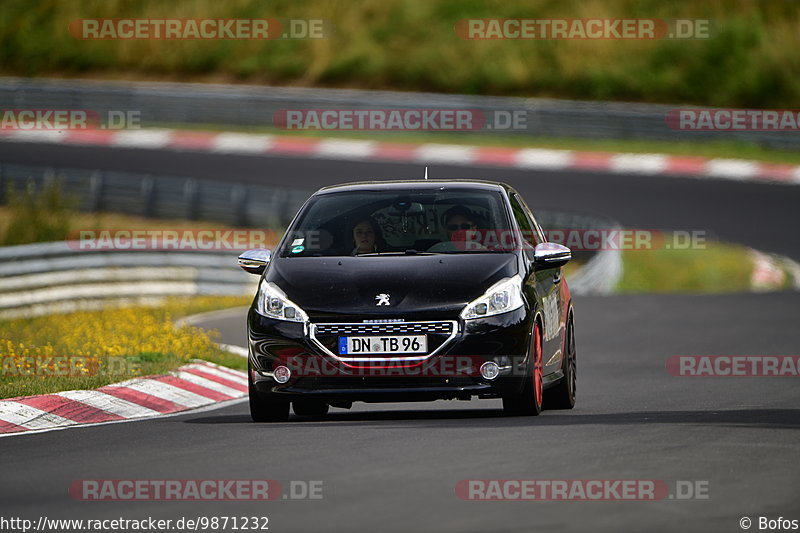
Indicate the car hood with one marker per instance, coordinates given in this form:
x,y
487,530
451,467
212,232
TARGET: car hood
x,y
331,287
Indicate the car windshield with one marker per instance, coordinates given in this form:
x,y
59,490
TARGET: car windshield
x,y
386,223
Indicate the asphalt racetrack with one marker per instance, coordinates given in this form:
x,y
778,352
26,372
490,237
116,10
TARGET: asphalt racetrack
x,y
760,215
394,467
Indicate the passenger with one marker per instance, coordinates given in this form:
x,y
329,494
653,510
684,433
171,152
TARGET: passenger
x,y
366,237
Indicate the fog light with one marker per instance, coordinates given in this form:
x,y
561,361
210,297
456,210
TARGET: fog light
x,y
281,374
490,370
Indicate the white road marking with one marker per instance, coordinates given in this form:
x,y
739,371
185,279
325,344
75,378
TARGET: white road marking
x,y
30,417
37,136
232,375
209,384
536,158
345,149
165,391
737,169
108,403
39,421
639,163
236,350
245,143
241,143
204,409
445,153
149,138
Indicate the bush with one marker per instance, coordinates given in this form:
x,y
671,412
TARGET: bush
x,y
751,61
41,215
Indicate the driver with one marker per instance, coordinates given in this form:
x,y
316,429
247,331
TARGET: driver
x,y
462,231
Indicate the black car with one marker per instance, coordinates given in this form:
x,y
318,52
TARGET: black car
x,y
410,291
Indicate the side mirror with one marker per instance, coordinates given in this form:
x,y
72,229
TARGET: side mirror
x,y
255,261
550,255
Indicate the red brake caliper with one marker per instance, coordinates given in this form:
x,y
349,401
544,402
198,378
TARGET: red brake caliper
x,y
537,365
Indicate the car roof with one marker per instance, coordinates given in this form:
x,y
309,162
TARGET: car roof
x,y
430,184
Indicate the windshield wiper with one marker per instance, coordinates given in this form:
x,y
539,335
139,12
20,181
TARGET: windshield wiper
x,y
453,252
407,252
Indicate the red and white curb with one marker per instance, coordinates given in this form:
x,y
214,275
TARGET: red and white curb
x,y
196,385
770,272
431,153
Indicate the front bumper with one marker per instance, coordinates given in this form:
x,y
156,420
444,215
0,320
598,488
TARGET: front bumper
x,y
451,372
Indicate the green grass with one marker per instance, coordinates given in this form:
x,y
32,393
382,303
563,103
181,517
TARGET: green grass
x,y
111,345
716,269
751,61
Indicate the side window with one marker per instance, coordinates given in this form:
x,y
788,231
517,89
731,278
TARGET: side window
x,y
539,234
529,236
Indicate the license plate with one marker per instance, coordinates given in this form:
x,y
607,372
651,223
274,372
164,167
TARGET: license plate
x,y
385,344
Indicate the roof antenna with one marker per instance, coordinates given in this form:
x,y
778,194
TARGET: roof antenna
x,y
426,172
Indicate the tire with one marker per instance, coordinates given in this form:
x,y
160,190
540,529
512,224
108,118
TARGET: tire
x,y
265,409
528,402
310,408
562,396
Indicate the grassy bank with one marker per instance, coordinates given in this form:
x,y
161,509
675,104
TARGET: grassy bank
x,y
750,61
717,268
86,350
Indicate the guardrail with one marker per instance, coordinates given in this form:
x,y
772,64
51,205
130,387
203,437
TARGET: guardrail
x,y
248,105
602,269
156,196
46,278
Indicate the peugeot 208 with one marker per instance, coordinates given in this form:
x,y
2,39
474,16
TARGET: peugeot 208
x,y
410,291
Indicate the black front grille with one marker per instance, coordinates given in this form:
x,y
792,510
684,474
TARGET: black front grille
x,y
388,328
351,384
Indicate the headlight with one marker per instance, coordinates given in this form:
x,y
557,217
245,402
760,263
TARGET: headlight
x,y
502,297
273,303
